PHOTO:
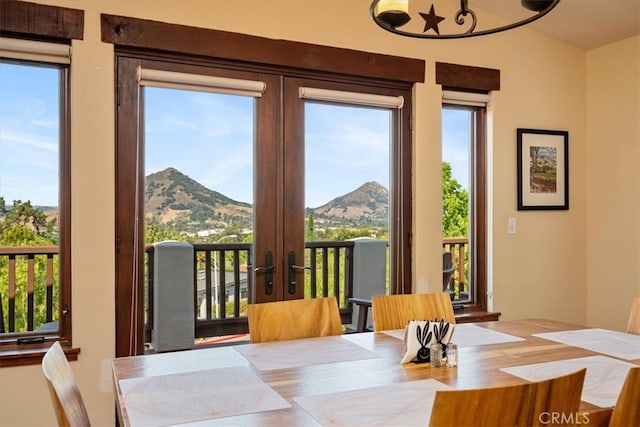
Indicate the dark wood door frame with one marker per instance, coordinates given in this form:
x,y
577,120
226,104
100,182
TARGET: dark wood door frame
x,y
139,40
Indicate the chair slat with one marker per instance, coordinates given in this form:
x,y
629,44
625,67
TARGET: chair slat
x,y
294,319
65,394
557,400
627,409
395,311
493,406
633,326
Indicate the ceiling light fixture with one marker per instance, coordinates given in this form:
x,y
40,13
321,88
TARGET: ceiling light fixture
x,y
391,14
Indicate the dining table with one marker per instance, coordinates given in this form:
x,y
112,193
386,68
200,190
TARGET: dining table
x,y
357,379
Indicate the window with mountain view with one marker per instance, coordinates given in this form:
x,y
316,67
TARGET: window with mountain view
x,y
35,180
31,148
346,171
269,187
199,185
347,159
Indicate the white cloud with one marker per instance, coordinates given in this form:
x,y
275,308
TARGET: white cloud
x,y
23,141
28,167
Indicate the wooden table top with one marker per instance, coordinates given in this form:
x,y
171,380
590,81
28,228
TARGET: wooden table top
x,y
333,380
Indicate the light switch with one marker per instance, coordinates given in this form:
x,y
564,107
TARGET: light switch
x,y
511,225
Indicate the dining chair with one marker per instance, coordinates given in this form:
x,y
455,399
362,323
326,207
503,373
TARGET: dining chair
x,y
395,311
65,394
627,409
633,326
557,396
492,406
447,273
294,319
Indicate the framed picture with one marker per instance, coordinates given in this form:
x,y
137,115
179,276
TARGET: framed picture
x,y
543,169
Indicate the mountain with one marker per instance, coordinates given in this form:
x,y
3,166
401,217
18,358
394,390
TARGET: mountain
x,y
366,205
171,197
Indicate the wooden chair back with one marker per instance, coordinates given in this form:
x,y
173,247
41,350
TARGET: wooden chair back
x,y
67,400
627,409
493,406
395,311
294,319
557,397
529,404
447,271
633,326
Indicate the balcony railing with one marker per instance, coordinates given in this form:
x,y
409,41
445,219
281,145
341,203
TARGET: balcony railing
x,y
28,288
459,248
330,273
223,283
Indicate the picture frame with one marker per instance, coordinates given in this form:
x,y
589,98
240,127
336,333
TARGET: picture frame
x,y
543,169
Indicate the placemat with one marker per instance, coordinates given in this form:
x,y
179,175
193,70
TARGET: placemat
x,y
180,398
189,360
469,335
602,383
403,404
296,353
613,343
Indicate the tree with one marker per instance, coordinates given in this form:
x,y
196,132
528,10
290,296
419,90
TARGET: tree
x,y
350,233
154,233
455,205
310,234
25,225
23,214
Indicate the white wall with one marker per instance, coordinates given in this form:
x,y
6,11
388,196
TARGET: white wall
x,y
540,272
613,162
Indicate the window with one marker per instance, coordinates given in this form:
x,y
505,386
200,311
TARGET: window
x,y
35,201
463,222
464,172
347,157
30,149
279,151
34,285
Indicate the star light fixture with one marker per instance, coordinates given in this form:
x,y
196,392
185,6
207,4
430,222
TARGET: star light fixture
x,y
391,14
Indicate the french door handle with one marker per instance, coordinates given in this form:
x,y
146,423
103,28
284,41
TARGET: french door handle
x,y
268,271
293,269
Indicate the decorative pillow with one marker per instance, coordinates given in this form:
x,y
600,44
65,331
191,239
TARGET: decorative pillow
x,y
420,334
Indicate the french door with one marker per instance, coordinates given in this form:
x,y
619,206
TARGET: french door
x,y
279,122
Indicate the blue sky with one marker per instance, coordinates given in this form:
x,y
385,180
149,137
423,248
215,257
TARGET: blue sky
x,y
455,141
345,146
29,131
207,136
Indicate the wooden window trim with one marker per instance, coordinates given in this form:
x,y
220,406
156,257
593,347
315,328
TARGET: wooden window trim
x,y
479,80
152,35
480,226
24,355
465,78
32,21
